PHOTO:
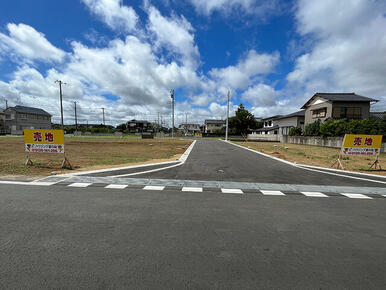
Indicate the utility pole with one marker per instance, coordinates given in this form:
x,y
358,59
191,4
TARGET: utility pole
x,y
76,117
227,122
186,123
61,100
103,113
158,123
172,96
6,104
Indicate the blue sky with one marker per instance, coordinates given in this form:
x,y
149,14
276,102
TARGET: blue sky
x,y
125,55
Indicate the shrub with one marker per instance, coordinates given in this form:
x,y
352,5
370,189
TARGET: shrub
x,y
312,129
295,131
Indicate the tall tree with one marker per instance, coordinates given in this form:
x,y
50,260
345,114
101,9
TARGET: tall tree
x,y
243,122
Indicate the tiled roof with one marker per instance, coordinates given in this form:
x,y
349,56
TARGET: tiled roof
x,y
340,97
29,110
296,114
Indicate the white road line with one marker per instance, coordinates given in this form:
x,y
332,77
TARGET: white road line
x,y
116,186
271,192
79,184
152,187
313,194
27,183
356,195
192,189
232,190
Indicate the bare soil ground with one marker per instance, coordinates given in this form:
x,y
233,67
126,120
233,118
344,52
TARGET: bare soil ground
x,y
88,154
316,156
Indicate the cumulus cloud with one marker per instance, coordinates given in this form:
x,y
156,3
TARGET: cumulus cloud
x,y
241,75
27,45
348,51
260,95
175,33
116,15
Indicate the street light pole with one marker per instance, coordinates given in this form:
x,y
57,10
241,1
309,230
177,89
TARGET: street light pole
x,y
172,96
227,122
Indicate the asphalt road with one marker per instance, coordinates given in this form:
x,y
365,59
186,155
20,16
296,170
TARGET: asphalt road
x,y
220,161
76,238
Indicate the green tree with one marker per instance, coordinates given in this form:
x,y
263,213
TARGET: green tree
x,y
122,127
243,122
312,129
295,131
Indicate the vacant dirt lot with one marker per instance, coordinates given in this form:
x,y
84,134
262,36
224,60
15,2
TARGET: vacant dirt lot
x,y
314,155
88,153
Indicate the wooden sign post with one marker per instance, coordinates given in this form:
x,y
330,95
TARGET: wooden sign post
x,y
45,141
360,145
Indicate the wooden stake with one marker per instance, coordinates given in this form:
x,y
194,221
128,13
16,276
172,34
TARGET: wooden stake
x,y
66,164
339,163
376,164
29,162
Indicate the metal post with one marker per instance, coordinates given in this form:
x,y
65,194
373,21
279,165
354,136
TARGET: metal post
x,y
227,122
6,104
172,96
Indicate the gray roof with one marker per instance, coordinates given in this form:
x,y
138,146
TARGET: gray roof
x,y
296,114
272,117
340,97
29,110
210,121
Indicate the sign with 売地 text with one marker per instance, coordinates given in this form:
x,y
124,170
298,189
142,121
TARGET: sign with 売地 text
x,y
361,144
44,141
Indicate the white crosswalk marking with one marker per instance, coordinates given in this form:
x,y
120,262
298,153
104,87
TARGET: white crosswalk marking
x,y
313,194
116,186
271,192
232,190
79,184
356,195
192,189
152,187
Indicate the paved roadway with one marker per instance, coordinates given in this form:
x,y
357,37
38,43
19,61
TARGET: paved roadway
x,y
76,238
220,161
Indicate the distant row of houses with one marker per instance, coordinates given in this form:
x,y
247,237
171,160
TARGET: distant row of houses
x,y
321,106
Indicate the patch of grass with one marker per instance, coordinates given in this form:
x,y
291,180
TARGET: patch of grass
x,y
87,152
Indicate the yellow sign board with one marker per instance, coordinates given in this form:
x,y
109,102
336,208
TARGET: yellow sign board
x,y
361,144
44,141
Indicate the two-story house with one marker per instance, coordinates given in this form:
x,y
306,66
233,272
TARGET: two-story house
x,y
349,106
285,123
189,128
212,125
138,126
19,118
270,126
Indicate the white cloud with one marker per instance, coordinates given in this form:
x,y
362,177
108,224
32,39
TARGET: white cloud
x,y
241,75
348,52
116,15
27,45
260,95
176,34
260,7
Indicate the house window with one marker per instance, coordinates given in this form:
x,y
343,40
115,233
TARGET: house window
x,y
320,113
347,113
270,123
23,116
